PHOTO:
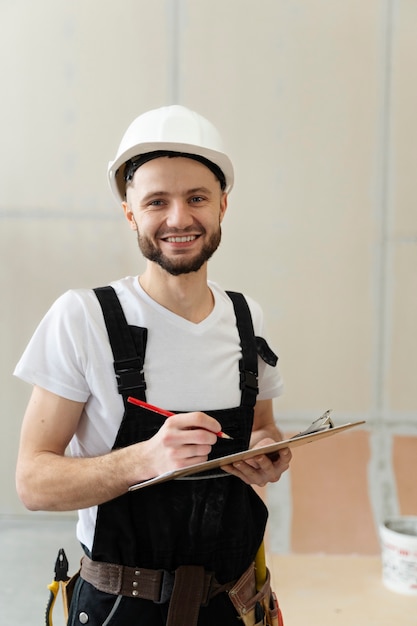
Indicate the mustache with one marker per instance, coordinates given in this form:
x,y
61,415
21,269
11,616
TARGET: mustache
x,y
164,232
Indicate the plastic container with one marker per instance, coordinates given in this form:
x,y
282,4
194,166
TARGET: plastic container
x,y
399,554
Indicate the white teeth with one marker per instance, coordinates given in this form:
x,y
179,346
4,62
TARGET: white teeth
x,y
181,239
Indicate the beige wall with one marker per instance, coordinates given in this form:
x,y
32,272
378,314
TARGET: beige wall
x,y
317,102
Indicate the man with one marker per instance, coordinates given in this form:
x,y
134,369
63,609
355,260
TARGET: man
x,y
167,553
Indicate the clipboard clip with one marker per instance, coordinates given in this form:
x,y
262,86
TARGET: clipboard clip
x,y
323,422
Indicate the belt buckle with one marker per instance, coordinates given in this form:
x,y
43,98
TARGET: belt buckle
x,y
167,585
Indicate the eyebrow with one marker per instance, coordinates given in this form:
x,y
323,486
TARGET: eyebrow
x,y
160,193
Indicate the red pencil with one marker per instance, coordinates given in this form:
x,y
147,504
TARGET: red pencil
x,y
156,409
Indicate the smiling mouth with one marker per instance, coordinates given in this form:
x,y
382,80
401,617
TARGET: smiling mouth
x,y
183,239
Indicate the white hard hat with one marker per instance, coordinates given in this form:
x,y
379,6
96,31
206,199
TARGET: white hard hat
x,y
174,128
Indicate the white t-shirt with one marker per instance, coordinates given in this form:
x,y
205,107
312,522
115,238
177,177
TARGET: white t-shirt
x,y
188,367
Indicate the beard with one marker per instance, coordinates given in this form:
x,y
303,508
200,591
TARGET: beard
x,y
177,265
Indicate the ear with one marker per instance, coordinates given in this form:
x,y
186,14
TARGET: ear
x,y
129,215
223,206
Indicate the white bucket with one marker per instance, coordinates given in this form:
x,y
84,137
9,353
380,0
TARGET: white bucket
x,y
399,554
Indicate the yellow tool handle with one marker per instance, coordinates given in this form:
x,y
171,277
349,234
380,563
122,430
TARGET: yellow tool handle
x,y
53,588
260,567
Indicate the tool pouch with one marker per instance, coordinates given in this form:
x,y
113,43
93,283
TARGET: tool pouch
x,y
67,589
255,608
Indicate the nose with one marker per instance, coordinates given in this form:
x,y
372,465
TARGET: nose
x,y
179,215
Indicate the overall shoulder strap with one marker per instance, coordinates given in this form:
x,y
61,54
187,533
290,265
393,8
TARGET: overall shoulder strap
x,y
248,364
128,344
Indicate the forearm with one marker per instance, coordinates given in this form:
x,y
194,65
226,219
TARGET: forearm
x,y
52,482
48,480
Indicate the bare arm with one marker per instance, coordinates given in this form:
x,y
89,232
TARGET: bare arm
x,y
48,480
264,426
261,470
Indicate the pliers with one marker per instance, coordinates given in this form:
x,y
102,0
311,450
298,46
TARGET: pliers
x,y
61,577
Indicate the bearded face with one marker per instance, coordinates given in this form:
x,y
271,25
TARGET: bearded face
x,y
180,263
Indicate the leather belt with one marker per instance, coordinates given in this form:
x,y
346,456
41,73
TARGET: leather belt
x,y
188,588
136,582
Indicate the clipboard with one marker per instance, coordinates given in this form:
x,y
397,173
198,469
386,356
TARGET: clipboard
x,y
270,450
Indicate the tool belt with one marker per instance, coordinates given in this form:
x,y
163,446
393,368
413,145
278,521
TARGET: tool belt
x,y
189,588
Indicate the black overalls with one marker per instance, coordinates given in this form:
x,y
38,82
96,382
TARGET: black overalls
x,y
216,521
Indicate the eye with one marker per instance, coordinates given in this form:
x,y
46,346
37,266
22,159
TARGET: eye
x,y
197,199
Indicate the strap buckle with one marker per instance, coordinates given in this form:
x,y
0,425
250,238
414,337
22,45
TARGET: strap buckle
x,y
129,374
249,380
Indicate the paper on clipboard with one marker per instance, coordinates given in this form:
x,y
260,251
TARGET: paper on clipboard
x,y
298,440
